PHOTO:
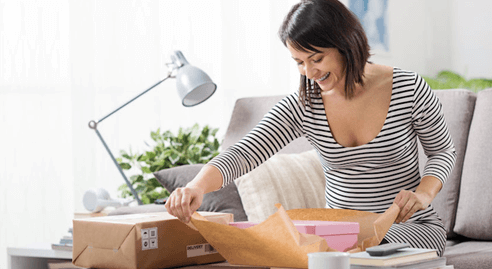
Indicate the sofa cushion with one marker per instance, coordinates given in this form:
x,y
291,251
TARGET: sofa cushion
x,y
474,214
468,247
470,254
293,180
470,260
458,108
225,200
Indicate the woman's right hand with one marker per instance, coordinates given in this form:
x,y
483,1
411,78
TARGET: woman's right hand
x,y
184,201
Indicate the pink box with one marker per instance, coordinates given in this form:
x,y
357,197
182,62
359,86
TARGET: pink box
x,y
341,236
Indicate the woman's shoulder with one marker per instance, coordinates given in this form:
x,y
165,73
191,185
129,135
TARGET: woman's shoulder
x,y
293,96
404,73
294,102
411,82
290,100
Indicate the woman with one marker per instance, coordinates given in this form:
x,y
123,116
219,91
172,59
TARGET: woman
x,y
362,118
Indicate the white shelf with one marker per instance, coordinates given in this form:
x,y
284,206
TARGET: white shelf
x,y
34,256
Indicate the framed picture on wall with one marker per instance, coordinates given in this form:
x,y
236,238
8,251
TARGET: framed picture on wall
x,y
374,18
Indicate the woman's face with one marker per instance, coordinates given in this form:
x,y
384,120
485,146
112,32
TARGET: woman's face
x,y
327,67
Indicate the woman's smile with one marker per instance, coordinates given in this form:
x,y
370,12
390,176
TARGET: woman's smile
x,y
323,78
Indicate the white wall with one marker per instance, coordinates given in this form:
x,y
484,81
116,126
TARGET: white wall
x,y
471,41
430,36
63,64
419,35
36,171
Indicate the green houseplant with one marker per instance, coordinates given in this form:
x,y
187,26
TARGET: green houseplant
x,y
190,146
450,80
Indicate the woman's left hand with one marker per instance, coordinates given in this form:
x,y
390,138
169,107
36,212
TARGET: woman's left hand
x,y
410,202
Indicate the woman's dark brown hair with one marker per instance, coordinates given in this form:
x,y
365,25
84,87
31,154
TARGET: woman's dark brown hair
x,y
327,24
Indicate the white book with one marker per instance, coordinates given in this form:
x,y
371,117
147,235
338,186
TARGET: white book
x,y
434,263
404,255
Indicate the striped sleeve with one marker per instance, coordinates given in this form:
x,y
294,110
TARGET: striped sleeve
x,y
430,125
281,125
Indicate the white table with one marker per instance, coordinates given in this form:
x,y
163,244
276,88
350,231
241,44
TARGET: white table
x,y
34,256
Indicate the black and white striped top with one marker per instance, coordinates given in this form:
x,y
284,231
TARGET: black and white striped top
x,y
367,177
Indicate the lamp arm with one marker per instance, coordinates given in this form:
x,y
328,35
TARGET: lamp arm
x,y
119,169
93,125
134,98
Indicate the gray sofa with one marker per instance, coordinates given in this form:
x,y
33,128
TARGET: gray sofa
x,y
464,203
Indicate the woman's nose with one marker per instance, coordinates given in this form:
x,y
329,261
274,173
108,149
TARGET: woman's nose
x,y
309,71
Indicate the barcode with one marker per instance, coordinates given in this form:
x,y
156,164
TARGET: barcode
x,y
209,248
199,250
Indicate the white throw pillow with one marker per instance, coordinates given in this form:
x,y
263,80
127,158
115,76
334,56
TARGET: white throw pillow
x,y
293,180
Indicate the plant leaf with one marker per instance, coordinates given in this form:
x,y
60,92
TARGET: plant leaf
x,y
125,166
142,158
146,170
150,155
450,80
190,146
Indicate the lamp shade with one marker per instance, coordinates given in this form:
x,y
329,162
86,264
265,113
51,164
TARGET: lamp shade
x,y
194,86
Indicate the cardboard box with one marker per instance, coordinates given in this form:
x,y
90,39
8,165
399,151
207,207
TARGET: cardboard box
x,y
341,236
150,240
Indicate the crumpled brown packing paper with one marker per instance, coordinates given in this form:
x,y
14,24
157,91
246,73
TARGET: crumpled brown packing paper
x,y
276,242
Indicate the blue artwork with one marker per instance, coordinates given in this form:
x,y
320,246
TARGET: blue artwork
x,y
372,14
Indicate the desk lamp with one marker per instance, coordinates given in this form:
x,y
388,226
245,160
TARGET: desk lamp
x,y
194,87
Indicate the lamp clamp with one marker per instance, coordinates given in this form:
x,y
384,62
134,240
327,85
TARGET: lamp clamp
x,y
93,125
172,67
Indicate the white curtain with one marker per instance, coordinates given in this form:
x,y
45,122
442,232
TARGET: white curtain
x,y
36,167
64,63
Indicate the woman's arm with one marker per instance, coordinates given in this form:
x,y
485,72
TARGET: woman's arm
x,y
279,126
184,201
430,125
410,202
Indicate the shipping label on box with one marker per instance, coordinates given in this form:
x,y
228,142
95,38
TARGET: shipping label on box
x,y
150,240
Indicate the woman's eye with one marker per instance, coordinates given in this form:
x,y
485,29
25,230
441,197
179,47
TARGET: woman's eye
x,y
299,63
317,61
